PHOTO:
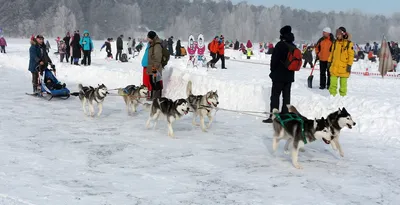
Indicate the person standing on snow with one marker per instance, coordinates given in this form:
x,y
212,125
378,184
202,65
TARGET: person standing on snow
x,y
323,51
76,48
38,60
120,47
221,52
67,39
178,52
154,68
308,58
282,78
146,77
87,46
3,44
62,49
170,45
129,45
340,62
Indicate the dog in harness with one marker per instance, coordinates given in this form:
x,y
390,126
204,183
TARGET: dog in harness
x,y
133,96
298,131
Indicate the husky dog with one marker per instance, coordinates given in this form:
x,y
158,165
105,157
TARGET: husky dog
x,y
298,133
337,121
132,95
173,110
88,94
202,105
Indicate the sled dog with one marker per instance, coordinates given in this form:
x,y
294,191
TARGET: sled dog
x,y
132,96
89,95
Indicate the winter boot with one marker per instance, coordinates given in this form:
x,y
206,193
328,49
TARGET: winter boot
x,y
269,120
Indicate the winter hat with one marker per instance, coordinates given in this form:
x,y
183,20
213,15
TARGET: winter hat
x,y
40,36
151,35
327,30
286,30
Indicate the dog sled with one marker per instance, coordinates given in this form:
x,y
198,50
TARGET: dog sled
x,y
50,86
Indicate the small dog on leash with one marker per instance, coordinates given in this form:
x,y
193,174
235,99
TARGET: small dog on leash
x,y
298,131
202,105
89,95
173,110
132,96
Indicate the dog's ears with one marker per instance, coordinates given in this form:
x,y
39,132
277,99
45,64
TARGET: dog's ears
x,y
216,92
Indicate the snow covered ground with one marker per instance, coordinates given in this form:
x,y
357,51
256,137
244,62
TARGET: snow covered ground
x,y
52,154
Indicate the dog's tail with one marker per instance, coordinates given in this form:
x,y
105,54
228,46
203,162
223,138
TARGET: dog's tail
x,y
80,86
292,109
75,94
274,111
189,88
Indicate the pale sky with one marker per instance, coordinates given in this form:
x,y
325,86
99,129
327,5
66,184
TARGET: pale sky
x,y
385,7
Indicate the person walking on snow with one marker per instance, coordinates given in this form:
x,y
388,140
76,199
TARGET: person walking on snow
x,y
282,78
221,52
87,47
120,47
154,68
3,44
213,48
146,77
67,40
107,44
340,62
323,51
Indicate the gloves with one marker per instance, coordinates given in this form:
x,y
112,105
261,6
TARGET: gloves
x,y
153,70
348,68
53,66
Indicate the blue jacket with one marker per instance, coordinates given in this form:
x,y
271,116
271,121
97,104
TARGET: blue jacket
x,y
145,59
34,56
86,42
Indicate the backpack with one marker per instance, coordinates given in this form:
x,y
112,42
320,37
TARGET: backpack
x,y
294,58
124,58
165,55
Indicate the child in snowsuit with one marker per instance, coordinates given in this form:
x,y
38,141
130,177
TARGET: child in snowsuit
x,y
307,56
3,44
62,49
107,44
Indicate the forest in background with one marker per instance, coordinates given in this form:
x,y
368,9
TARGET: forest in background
x,y
179,18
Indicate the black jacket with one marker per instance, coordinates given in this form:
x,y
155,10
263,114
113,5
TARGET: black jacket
x,y
119,44
178,48
76,47
308,55
279,73
66,40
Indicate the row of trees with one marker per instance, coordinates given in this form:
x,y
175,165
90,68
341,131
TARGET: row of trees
x,y
104,18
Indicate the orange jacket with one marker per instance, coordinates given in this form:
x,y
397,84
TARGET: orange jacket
x,y
323,49
214,46
221,48
370,55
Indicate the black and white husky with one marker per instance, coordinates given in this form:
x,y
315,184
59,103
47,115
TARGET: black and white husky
x,y
298,131
172,110
202,105
337,121
89,95
133,96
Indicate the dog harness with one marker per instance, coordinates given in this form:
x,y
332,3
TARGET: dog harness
x,y
291,116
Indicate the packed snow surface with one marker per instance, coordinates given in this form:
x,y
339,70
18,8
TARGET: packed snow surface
x,y
52,154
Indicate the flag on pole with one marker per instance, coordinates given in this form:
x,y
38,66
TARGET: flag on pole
x,y
385,58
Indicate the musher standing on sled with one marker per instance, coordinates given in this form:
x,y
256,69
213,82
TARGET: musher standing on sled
x,y
38,60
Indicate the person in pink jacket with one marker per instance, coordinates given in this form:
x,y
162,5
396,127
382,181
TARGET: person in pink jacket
x,y
3,44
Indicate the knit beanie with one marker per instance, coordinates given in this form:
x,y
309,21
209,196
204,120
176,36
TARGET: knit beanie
x,y
151,35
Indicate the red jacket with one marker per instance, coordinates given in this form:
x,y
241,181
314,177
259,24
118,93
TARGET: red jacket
x,y
221,48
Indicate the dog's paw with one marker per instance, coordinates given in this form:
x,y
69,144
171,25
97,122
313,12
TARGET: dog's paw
x,y
341,154
204,130
297,166
286,152
302,150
